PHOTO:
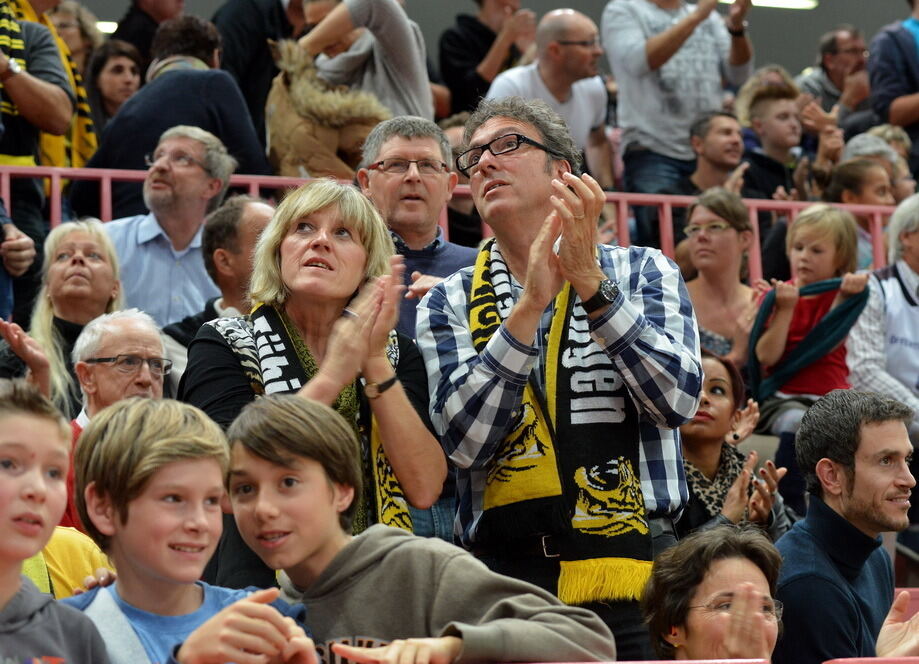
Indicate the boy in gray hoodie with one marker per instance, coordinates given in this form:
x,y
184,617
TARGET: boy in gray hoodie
x,y
295,471
34,458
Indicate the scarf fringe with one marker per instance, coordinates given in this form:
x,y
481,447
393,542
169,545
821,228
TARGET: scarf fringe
x,y
599,579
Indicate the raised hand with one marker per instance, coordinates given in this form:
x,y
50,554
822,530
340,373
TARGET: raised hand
x,y
17,250
745,424
31,353
853,284
578,202
786,294
763,498
735,183
391,287
745,636
735,502
421,284
899,636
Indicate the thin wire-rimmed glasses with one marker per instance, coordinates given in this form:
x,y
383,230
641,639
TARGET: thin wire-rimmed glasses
x,y
399,166
129,364
174,159
714,228
501,145
772,608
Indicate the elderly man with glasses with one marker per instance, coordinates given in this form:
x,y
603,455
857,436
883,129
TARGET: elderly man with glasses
x,y
164,271
117,356
559,369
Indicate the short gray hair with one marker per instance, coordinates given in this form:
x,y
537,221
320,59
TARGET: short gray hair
x,y
866,145
905,219
87,344
218,162
832,429
404,126
553,131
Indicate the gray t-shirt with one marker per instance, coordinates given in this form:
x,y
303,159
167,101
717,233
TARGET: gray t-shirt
x,y
387,60
656,108
584,110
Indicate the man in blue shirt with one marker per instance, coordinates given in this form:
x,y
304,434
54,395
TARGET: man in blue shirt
x,y
836,580
163,270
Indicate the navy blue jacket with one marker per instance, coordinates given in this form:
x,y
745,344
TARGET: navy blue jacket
x,y
894,70
837,587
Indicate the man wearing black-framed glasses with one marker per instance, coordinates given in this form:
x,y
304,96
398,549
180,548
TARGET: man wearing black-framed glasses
x,y
564,76
558,368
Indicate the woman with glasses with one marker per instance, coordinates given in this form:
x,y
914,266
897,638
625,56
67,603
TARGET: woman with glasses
x,y
719,236
329,288
79,282
710,596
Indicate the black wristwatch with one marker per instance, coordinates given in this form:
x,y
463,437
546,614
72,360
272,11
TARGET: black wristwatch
x,y
373,390
605,295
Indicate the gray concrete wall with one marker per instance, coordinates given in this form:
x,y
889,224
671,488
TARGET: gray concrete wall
x,y
786,37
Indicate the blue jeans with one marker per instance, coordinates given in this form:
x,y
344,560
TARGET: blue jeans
x,y
437,521
648,172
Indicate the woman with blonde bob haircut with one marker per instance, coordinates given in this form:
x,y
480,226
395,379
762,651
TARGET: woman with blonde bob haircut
x,y
80,281
326,289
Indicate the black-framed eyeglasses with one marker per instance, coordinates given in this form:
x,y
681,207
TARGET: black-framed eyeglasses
x,y
397,166
129,364
501,145
174,159
586,43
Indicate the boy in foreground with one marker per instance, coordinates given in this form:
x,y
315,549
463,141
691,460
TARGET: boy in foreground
x,y
149,486
34,458
294,475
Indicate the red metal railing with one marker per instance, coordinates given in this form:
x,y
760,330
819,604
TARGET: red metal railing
x,y
664,204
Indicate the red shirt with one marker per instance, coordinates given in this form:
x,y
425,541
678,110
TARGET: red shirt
x,y
71,517
828,373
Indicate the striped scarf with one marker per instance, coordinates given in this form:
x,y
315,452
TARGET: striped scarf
x,y
55,150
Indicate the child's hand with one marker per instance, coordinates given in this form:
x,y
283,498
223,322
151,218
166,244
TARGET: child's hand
x,y
300,648
442,650
786,294
102,577
853,284
245,632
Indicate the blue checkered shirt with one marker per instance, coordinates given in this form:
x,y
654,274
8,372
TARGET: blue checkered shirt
x,y
649,334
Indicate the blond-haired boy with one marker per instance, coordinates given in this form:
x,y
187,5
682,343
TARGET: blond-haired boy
x,y
149,487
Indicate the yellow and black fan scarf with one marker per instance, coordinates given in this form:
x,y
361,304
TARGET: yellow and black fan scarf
x,y
55,150
569,465
276,360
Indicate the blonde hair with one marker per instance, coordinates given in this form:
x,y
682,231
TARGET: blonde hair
x,y
126,443
266,284
19,397
757,81
41,327
893,135
823,219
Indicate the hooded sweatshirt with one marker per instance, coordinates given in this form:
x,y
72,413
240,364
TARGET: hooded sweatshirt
x,y
387,584
33,627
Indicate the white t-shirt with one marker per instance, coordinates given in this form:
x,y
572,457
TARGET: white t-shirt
x,y
656,108
584,110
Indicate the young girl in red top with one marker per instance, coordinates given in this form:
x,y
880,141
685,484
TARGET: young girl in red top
x,y
821,245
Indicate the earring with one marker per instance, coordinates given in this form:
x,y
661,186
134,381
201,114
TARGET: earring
x,y
735,435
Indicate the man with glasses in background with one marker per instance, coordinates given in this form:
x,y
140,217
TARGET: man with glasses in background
x,y
564,76
117,356
404,172
559,370
840,78
164,272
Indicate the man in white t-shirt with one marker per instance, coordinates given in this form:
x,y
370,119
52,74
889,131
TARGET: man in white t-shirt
x,y
564,76
669,59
